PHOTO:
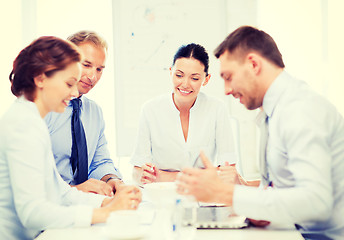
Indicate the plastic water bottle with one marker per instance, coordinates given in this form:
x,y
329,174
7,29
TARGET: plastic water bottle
x,y
183,219
177,220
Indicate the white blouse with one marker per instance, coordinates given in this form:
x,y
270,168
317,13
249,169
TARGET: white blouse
x,y
33,195
161,141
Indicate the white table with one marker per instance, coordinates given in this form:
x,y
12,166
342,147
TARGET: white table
x,y
150,226
98,231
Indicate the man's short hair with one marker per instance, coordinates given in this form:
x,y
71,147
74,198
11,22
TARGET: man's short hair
x,y
88,37
247,39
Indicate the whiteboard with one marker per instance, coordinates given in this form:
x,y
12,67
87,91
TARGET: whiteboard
x,y
147,33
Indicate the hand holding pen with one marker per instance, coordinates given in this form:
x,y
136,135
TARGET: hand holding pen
x,y
150,173
228,173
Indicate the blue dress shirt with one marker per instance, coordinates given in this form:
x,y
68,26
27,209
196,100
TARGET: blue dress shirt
x,y
305,158
99,161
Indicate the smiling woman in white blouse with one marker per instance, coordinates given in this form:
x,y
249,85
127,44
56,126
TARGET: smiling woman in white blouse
x,y
33,195
175,127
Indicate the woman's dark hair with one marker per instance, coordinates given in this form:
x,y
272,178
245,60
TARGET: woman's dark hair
x,y
195,51
246,39
46,55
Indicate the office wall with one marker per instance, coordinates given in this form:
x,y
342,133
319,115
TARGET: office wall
x,y
10,43
24,20
309,34
147,34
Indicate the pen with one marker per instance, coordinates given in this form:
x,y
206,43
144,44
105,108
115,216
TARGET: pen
x,y
152,170
196,162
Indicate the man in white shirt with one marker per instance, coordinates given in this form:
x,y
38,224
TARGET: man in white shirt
x,y
305,145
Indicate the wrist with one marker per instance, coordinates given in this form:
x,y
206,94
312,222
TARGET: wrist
x,y
115,183
112,177
106,201
118,183
166,176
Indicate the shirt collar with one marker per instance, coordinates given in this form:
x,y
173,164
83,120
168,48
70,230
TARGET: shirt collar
x,y
198,101
172,102
82,102
274,93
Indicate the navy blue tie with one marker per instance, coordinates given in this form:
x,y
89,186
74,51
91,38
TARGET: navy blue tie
x,y
79,157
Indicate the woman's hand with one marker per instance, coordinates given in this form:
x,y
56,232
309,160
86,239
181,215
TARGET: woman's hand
x,y
228,173
126,198
150,173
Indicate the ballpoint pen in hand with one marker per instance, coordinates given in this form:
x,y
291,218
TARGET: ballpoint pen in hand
x,y
152,169
149,173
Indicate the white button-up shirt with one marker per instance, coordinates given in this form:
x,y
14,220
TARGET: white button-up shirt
x,y
161,140
33,195
305,157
